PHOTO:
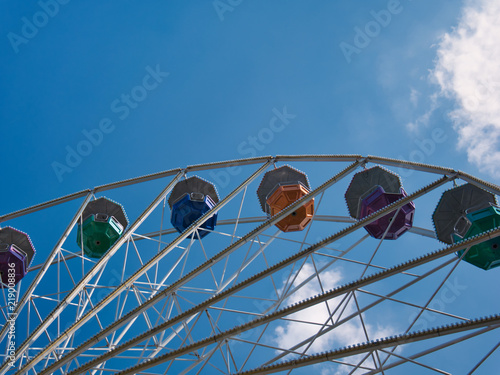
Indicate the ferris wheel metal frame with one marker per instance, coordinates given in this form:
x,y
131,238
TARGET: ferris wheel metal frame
x,y
201,335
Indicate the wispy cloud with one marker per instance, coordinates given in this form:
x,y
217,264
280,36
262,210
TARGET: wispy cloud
x,y
414,95
422,121
467,71
291,333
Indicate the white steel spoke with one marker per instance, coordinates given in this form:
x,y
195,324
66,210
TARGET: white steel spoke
x,y
484,359
249,295
415,362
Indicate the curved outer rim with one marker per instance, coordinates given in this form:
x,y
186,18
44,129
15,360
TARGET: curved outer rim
x,y
427,168
488,186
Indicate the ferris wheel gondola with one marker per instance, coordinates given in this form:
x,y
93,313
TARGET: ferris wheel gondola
x,y
308,286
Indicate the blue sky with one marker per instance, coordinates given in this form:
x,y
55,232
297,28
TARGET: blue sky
x,y
96,92
225,78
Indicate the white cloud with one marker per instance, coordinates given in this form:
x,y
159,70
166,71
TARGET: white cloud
x,y
291,333
468,71
423,120
414,95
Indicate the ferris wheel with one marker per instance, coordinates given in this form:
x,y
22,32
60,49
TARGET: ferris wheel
x,y
336,264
